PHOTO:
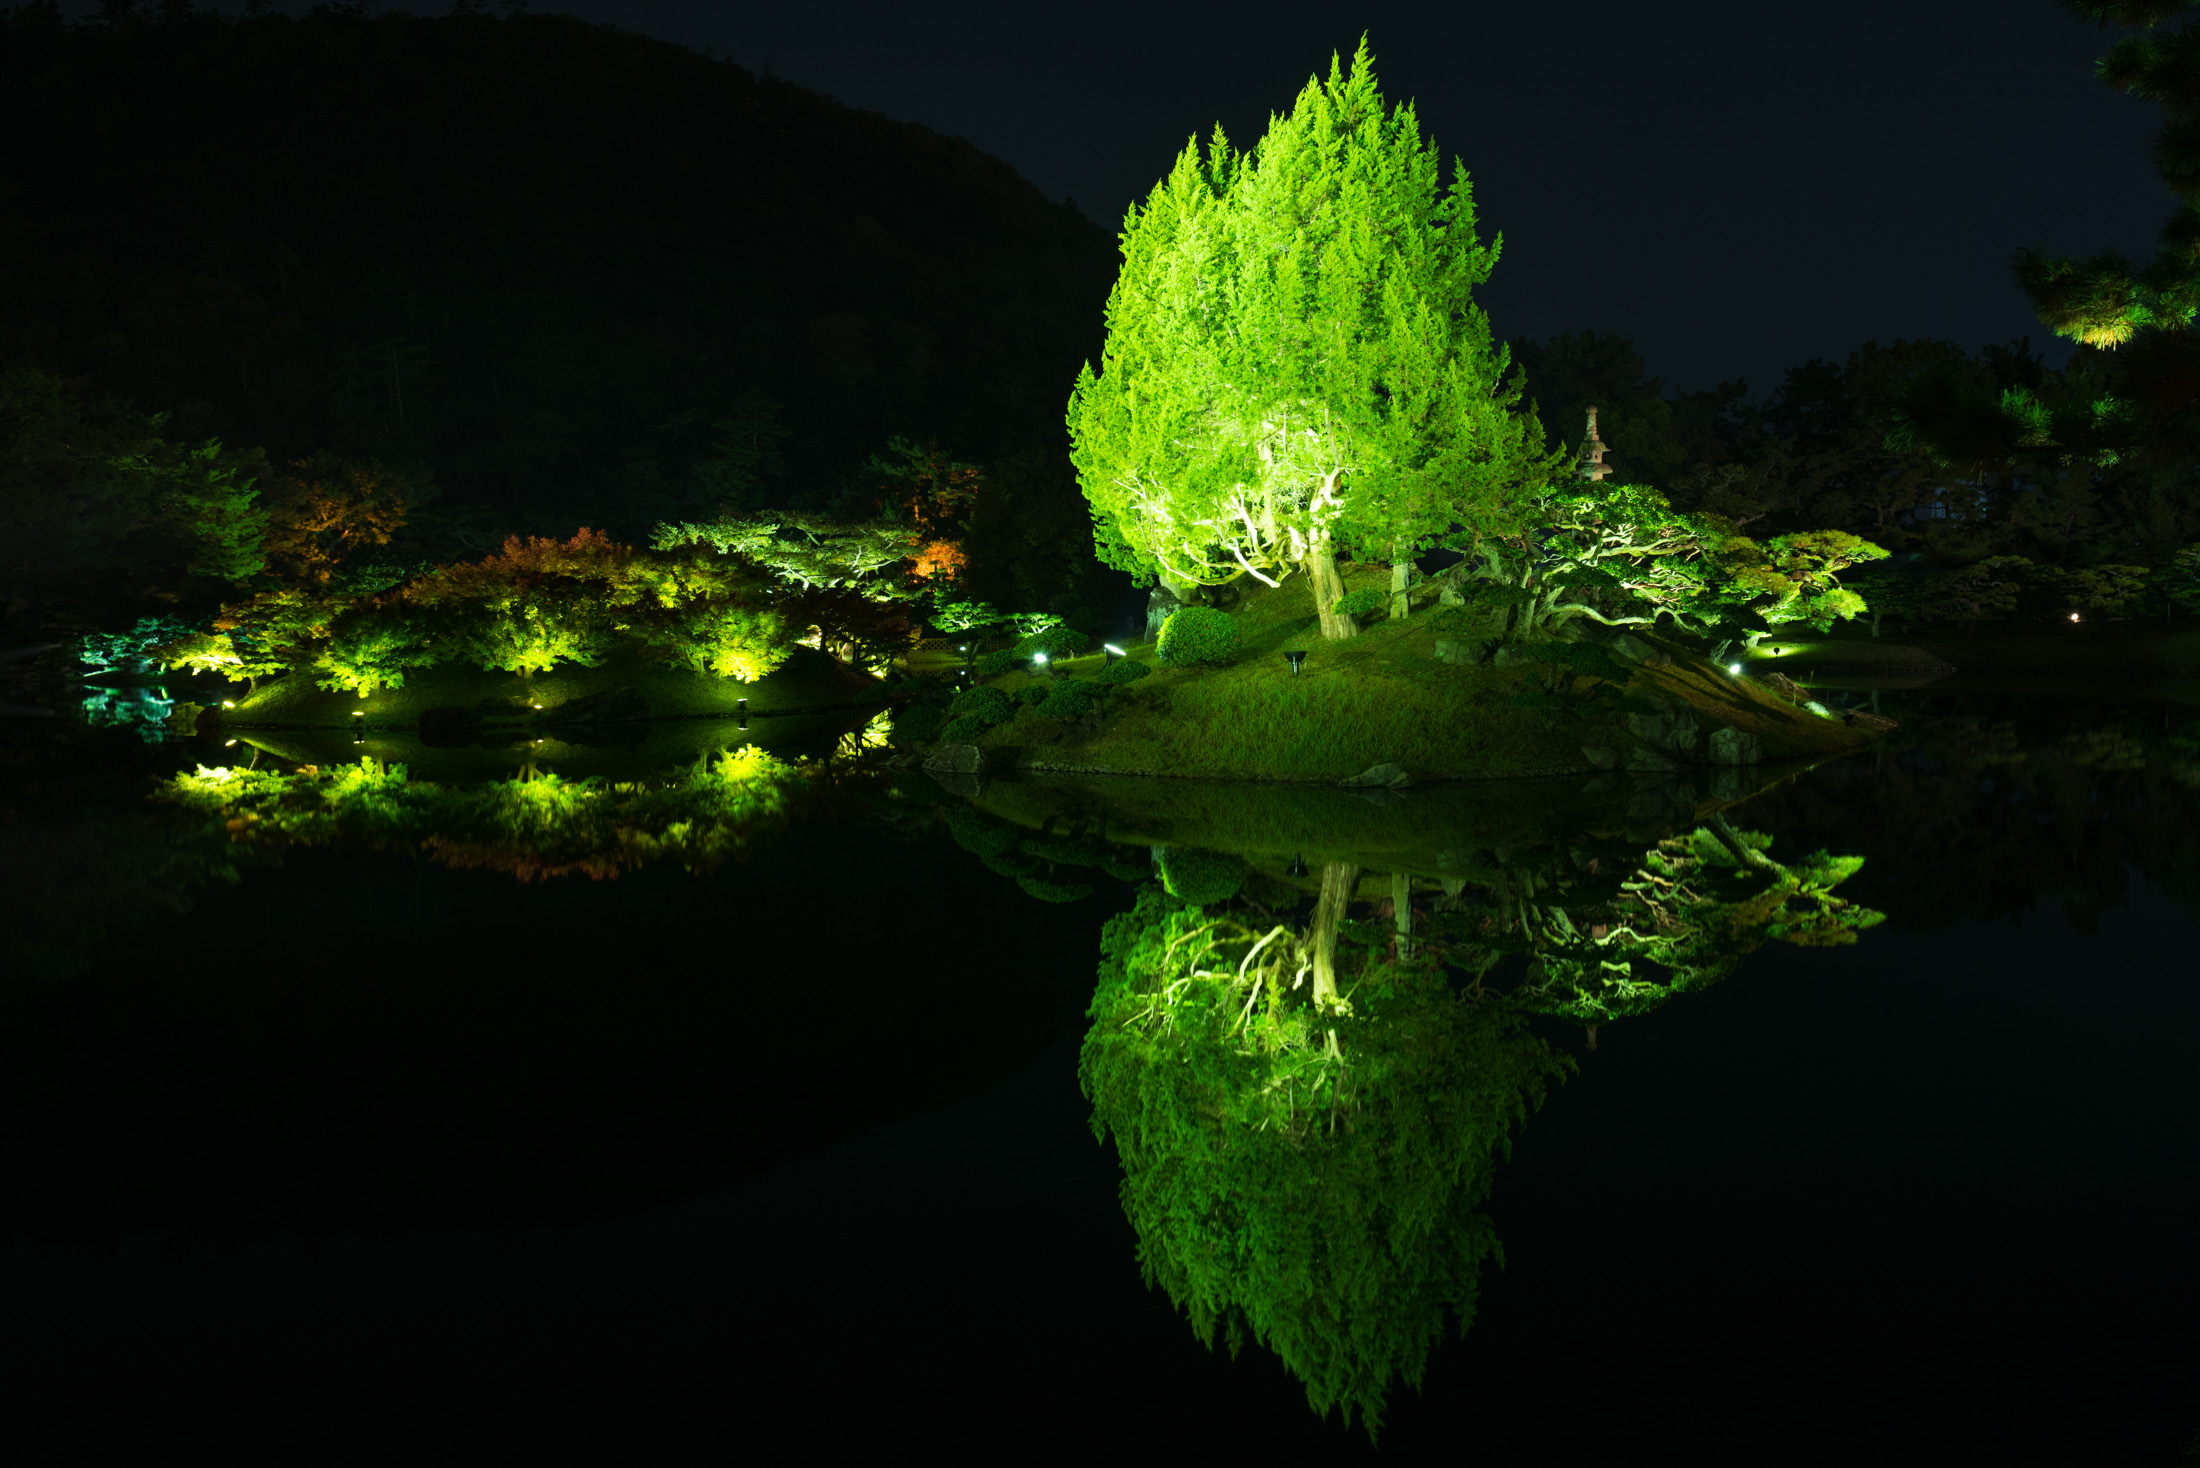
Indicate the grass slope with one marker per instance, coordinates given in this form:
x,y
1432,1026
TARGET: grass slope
x,y
1382,697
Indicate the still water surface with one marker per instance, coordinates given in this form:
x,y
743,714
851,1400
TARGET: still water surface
x,y
703,1108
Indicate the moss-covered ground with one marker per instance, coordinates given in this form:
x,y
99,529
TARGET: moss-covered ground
x,y
1384,697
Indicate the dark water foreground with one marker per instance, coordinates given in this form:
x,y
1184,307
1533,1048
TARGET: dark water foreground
x,y
731,1103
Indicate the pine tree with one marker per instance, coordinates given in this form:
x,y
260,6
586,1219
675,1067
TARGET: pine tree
x,y
2143,312
1295,363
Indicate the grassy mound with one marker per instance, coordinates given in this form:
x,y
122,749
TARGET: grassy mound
x,y
810,681
1386,697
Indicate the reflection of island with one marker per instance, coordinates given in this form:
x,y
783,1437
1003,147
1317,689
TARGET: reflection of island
x,y
1307,1108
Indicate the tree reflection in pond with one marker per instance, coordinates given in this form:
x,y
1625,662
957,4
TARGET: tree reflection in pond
x,y
1307,1118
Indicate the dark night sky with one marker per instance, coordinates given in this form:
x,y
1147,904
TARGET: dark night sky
x,y
1738,187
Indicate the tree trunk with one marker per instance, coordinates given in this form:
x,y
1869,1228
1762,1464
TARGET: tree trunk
x,y
1328,589
1401,903
1401,576
1338,881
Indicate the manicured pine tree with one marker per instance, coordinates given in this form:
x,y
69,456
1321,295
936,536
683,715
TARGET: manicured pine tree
x,y
2143,312
1295,362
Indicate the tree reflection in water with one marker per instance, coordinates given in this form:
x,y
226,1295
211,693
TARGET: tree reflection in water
x,y
534,827
1307,1115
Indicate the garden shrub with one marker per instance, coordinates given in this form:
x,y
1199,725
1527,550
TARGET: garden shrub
x,y
1123,670
973,832
1197,635
1067,701
1031,695
964,730
994,664
1065,852
1201,878
1360,603
1055,642
372,649
1014,864
985,702
1047,891
918,721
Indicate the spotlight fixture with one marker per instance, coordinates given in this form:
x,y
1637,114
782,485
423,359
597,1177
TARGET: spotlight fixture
x,y
2073,616
1735,669
1295,659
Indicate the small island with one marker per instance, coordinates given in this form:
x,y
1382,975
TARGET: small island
x,y
1432,695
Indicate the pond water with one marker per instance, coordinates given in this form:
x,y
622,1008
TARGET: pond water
x,y
725,1086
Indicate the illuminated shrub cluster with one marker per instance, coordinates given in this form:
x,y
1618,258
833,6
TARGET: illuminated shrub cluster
x,y
542,602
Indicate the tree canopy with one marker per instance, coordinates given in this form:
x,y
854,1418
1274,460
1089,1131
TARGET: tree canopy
x,y
1294,359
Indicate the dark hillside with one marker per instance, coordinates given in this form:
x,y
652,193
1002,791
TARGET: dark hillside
x,y
580,274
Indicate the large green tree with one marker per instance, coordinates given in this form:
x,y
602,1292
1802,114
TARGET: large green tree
x,y
1295,362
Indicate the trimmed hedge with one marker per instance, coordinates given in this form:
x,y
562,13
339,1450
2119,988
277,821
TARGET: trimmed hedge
x,y
965,730
984,701
1047,891
1360,603
1123,670
1197,635
973,832
1201,878
918,721
1071,699
993,664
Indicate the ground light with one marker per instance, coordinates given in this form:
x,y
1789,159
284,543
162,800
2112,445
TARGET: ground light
x,y
1295,658
227,704
2073,616
1735,669
1111,651
1038,659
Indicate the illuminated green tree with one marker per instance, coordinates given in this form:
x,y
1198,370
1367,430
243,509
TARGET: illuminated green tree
x,y
1294,358
219,510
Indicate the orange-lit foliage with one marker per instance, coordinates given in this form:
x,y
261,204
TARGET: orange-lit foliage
x,y
943,559
928,488
327,513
